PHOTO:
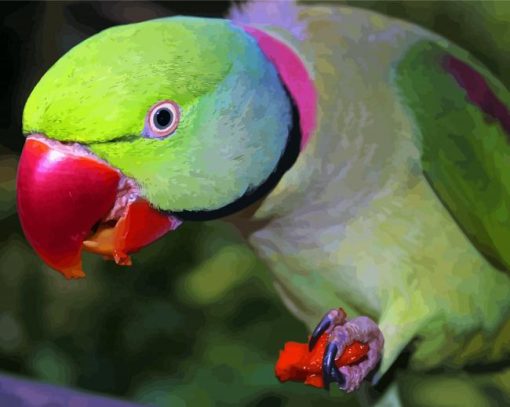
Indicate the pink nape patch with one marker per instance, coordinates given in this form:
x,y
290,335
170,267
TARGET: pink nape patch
x,y
294,75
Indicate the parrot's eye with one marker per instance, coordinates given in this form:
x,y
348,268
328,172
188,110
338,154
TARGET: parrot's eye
x,y
162,119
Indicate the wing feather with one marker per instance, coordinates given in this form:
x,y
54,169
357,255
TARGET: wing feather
x,y
463,128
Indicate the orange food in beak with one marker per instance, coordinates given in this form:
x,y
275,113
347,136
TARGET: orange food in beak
x,y
139,226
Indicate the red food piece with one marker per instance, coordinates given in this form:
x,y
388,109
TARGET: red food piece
x,y
297,364
138,227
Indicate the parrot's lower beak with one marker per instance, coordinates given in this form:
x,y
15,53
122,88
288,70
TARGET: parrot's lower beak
x,y
68,199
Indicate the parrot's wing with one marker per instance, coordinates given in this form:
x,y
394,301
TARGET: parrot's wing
x,y
462,121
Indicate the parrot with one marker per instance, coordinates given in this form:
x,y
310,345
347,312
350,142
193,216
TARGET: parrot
x,y
361,157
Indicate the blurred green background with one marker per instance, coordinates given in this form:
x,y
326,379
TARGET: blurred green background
x,y
196,320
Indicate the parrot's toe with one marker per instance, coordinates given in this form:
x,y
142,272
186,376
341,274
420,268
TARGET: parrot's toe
x,y
342,333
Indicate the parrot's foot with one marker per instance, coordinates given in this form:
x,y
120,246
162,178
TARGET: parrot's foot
x,y
342,333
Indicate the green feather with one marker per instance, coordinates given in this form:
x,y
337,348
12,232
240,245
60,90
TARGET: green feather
x,y
465,156
102,88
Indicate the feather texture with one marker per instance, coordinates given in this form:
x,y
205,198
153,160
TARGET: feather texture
x,y
355,223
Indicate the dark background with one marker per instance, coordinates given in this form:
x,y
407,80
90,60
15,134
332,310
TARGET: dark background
x,y
196,321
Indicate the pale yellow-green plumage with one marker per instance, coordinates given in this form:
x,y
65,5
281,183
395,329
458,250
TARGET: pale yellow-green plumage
x,y
355,223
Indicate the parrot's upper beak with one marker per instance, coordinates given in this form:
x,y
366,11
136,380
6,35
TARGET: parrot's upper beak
x,y
68,199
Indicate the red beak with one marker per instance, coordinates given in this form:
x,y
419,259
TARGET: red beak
x,y
63,192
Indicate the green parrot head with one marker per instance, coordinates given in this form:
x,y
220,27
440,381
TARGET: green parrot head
x,y
189,110
232,111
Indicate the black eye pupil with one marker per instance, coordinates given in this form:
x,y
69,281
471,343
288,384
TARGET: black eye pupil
x,y
162,118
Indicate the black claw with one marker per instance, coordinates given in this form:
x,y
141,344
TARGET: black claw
x,y
319,330
328,362
337,375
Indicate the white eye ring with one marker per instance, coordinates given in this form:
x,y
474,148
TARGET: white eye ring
x,y
162,119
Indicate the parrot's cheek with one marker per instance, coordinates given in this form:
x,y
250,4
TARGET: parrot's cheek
x,y
68,200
